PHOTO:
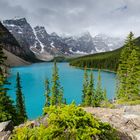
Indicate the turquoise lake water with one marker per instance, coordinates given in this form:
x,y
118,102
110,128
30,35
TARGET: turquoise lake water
x,y
33,77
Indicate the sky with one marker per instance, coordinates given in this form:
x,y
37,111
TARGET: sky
x,y
71,17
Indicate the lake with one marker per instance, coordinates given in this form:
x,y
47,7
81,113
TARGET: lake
x,y
33,87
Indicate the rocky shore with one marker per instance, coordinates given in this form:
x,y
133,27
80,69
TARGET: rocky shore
x,y
126,119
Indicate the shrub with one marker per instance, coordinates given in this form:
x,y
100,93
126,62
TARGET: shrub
x,y
67,122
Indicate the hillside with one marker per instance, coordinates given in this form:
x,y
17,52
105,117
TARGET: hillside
x,y
13,60
105,60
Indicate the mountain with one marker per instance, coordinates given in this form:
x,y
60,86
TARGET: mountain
x,y
82,44
10,44
24,34
47,46
105,43
51,43
104,60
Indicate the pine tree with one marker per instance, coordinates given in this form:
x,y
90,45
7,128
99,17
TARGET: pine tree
x,y
20,105
60,96
133,77
89,95
2,59
57,90
128,73
47,94
122,69
7,109
105,95
85,85
99,97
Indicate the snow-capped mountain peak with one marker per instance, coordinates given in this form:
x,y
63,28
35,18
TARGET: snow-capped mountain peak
x,y
40,42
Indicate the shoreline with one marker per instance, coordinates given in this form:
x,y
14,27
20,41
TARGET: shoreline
x,y
96,69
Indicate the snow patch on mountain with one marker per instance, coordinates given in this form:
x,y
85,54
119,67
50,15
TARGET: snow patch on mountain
x,y
52,45
40,42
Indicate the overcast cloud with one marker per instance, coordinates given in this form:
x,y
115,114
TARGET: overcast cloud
x,y
113,17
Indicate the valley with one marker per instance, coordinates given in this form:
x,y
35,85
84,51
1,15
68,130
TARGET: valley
x,y
66,74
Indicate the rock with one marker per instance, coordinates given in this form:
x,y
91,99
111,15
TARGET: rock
x,y
132,109
5,135
125,119
6,126
5,130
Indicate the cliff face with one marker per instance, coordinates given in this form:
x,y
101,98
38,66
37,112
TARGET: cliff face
x,y
10,44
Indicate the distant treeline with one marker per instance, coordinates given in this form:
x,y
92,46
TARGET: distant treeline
x,y
104,60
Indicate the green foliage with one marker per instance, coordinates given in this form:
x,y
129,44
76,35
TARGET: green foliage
x,y
85,85
57,92
92,96
2,58
67,123
105,60
47,94
128,74
127,102
55,96
99,96
89,95
20,105
7,109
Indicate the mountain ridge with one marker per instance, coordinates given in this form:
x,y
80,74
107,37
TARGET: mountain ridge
x,y
11,44
40,42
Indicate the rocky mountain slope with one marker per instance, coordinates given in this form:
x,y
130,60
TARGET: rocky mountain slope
x,y
44,44
10,44
13,60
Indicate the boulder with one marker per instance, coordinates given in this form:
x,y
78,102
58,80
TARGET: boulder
x,y
6,126
5,135
5,130
126,119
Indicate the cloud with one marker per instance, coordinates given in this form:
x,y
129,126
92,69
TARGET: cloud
x,y
113,17
122,8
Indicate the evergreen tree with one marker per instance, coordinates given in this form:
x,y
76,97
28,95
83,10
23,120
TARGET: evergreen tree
x,y
47,94
128,73
85,85
92,96
7,109
105,95
122,69
20,105
89,95
133,77
60,96
2,59
57,90
99,96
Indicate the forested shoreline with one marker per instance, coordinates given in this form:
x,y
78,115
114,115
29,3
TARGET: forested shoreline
x,y
104,60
